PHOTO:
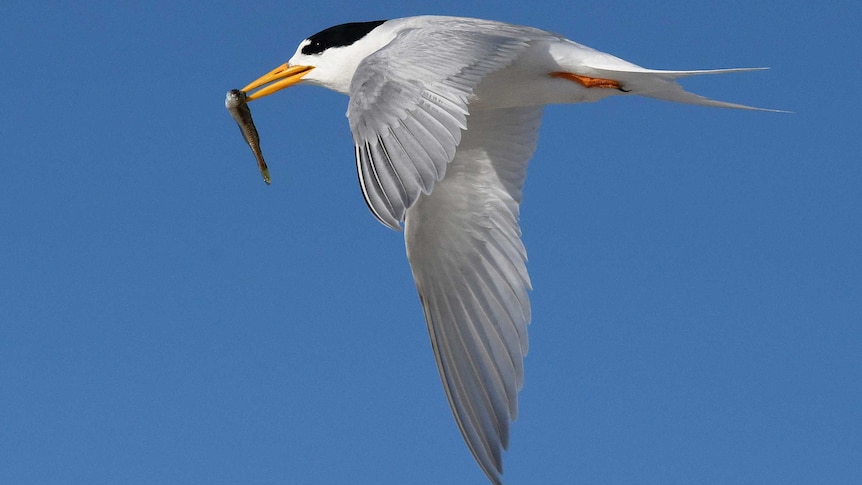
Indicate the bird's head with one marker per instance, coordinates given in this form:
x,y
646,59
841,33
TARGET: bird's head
x,y
328,58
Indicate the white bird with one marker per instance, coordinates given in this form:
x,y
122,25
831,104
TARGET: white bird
x,y
444,113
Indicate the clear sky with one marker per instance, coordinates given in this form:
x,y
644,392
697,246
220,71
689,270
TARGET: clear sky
x,y
167,318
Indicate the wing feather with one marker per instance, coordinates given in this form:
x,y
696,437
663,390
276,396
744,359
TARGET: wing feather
x,y
427,172
408,106
469,265
372,191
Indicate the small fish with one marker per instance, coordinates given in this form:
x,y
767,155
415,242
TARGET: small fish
x,y
235,102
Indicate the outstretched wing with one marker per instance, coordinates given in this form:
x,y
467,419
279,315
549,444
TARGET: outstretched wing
x,y
469,265
408,105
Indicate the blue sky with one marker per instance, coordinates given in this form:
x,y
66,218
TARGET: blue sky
x,y
167,318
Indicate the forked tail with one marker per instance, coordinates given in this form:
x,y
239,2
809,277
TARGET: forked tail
x,y
662,84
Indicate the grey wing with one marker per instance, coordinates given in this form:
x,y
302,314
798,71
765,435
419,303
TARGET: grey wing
x,y
469,265
408,105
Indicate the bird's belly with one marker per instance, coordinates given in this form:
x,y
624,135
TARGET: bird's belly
x,y
528,82
508,89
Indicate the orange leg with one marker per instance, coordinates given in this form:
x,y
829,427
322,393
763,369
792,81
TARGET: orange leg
x,y
589,82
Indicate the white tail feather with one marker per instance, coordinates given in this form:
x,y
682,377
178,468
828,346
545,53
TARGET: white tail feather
x,y
662,85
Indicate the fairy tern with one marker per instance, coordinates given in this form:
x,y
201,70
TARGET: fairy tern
x,y
444,113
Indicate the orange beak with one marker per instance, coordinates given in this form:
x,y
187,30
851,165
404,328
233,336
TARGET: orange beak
x,y
279,78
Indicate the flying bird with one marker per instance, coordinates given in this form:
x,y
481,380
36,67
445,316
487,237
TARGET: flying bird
x,y
444,113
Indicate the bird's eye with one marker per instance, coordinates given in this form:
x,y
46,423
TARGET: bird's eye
x,y
314,47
